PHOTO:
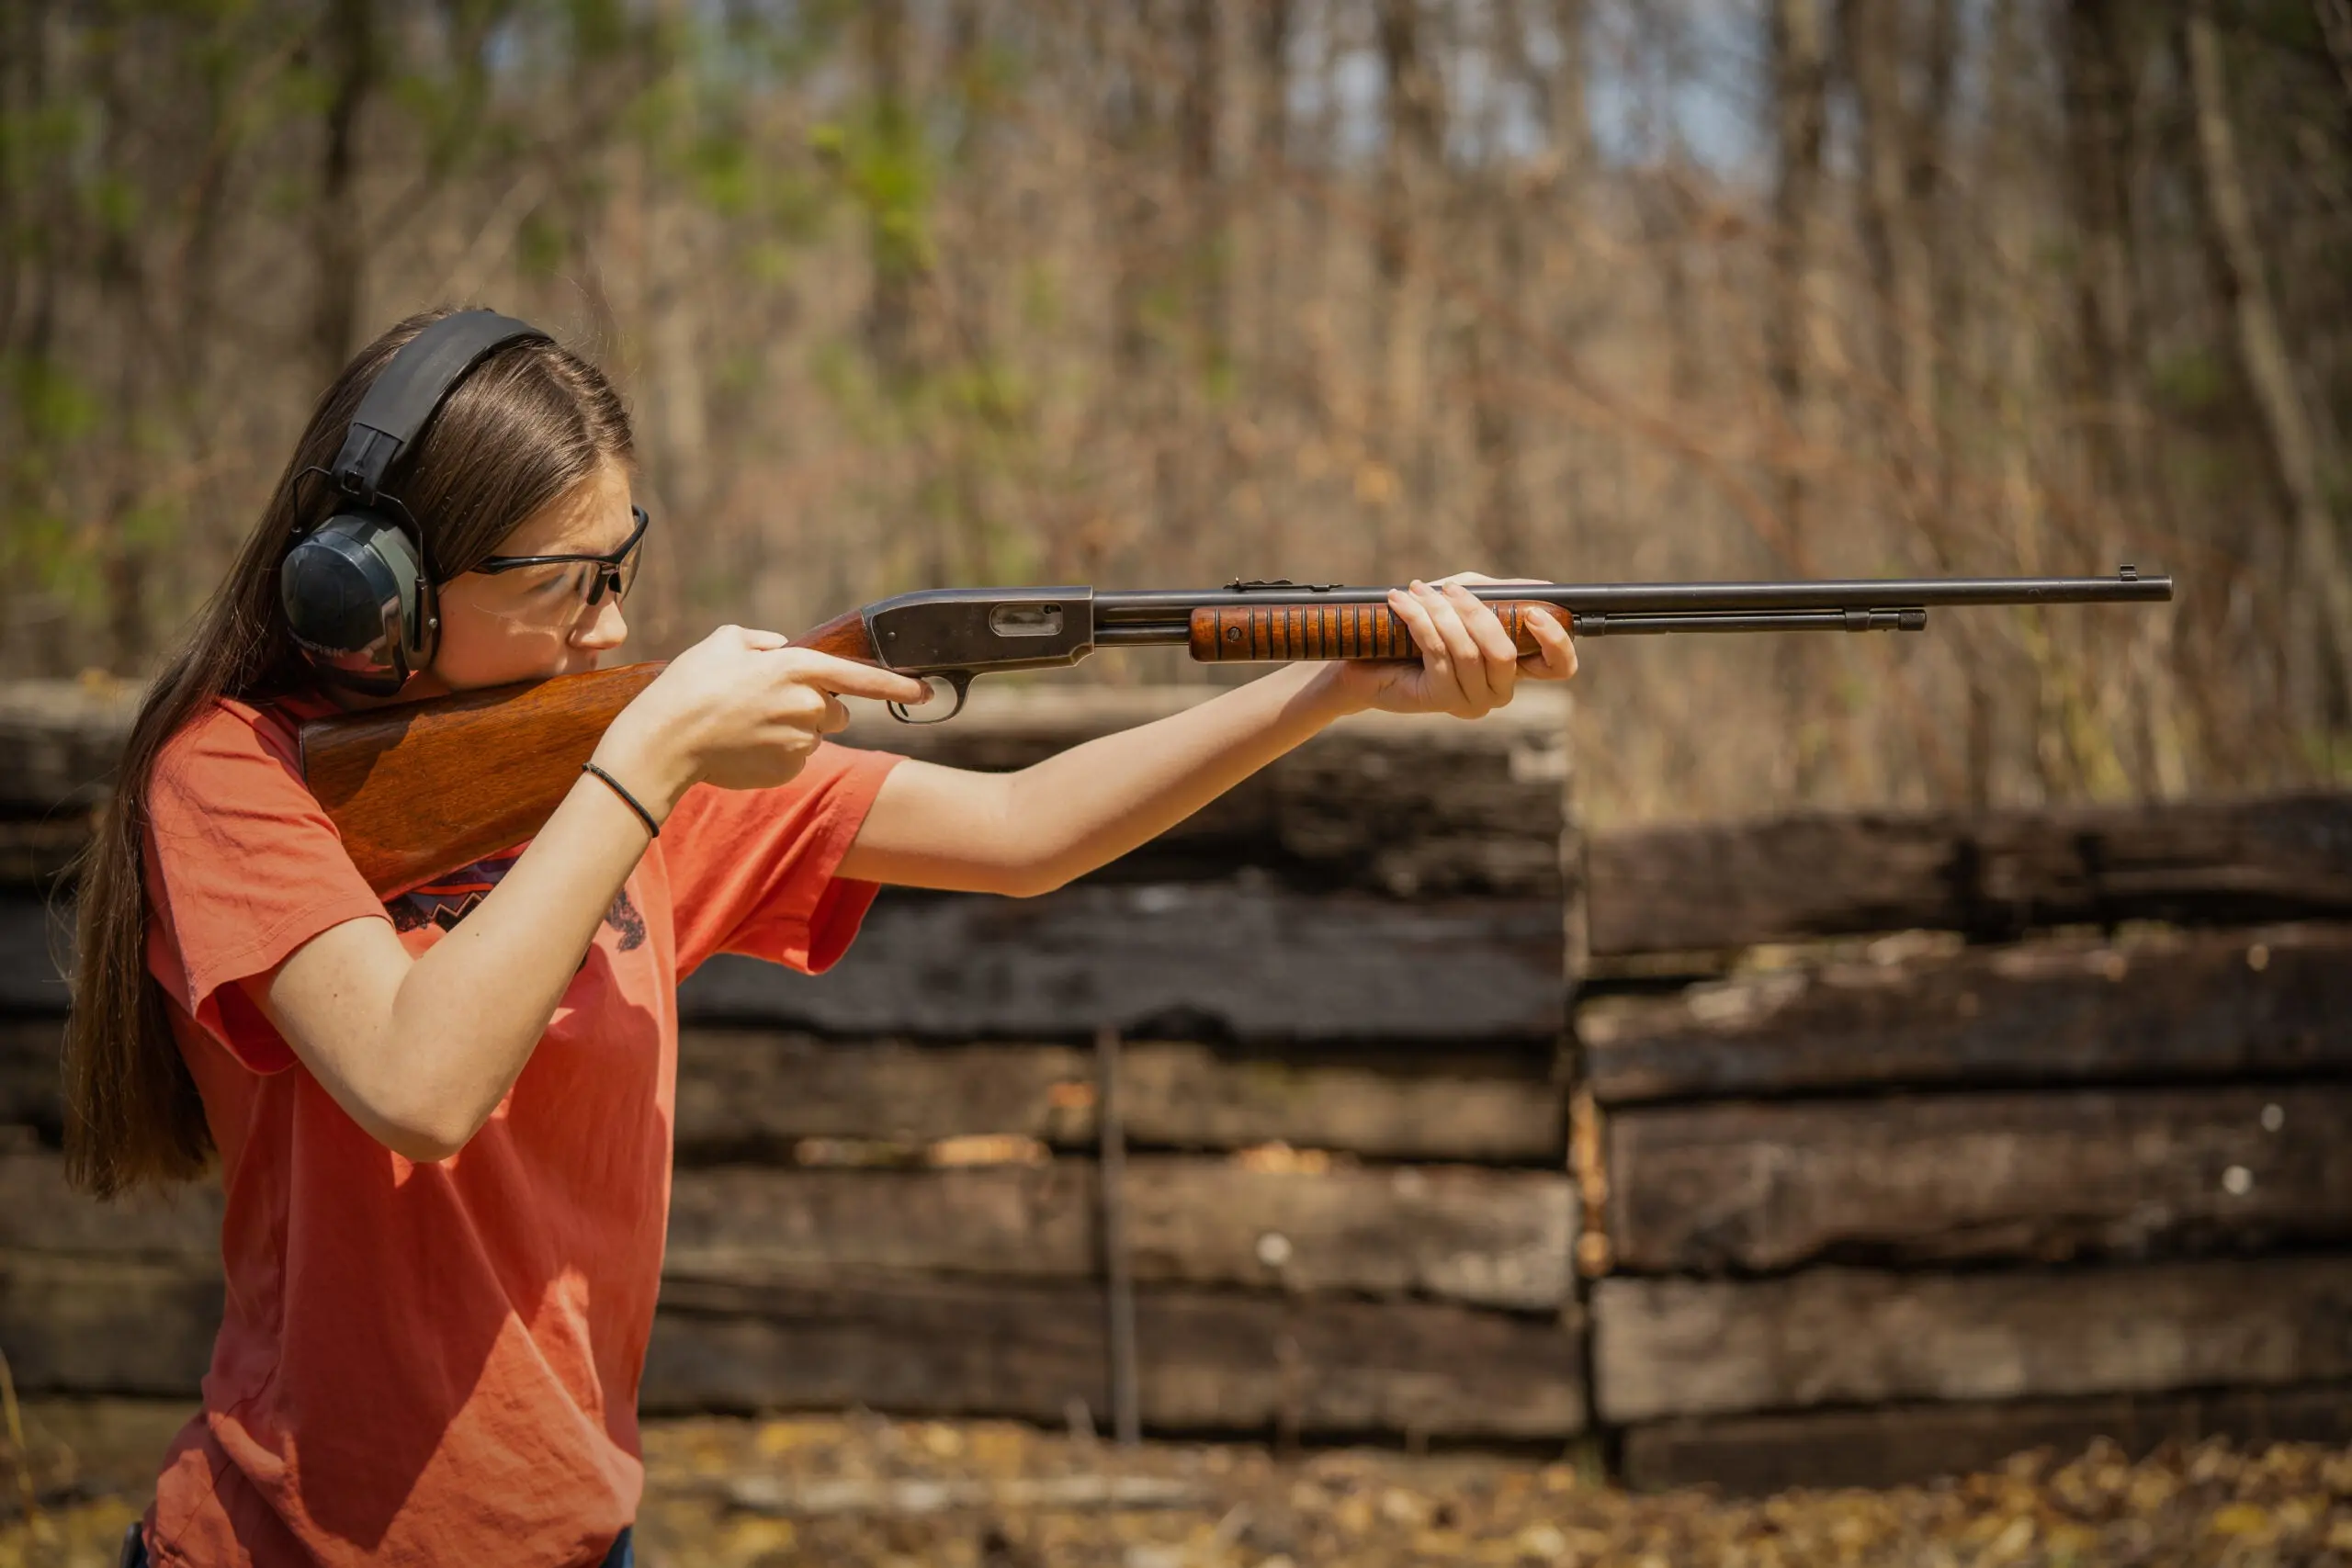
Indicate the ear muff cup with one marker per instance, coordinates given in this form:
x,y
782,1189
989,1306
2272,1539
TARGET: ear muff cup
x,y
360,602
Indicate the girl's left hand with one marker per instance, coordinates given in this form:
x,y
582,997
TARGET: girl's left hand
x,y
1469,665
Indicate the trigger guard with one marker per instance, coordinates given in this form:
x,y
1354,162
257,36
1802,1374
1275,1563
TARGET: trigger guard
x,y
956,683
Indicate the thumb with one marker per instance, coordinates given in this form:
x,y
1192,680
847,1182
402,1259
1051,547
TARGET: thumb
x,y
755,637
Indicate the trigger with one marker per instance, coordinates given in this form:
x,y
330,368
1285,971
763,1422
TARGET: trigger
x,y
947,692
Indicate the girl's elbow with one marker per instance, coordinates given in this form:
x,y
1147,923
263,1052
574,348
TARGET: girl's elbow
x,y
419,1146
1036,880
425,1134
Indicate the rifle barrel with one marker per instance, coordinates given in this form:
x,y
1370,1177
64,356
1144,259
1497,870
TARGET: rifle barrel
x,y
1129,617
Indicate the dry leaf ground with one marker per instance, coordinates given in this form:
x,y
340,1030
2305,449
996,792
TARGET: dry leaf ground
x,y
2208,1504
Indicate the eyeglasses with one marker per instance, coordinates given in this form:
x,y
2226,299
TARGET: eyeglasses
x,y
553,579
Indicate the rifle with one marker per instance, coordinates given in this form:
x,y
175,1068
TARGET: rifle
x,y
417,788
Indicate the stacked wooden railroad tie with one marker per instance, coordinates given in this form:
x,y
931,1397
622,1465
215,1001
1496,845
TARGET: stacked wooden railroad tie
x,y
2063,1159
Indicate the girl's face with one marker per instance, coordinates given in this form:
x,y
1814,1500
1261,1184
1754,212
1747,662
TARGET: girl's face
x,y
532,622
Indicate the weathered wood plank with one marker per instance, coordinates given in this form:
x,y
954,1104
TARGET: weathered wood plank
x,y
2055,1174
1498,1238
1380,802
58,743
36,853
36,953
2272,1000
108,1325
41,1213
1492,1238
1208,1360
1195,959
31,1093
1753,1455
1730,885
1252,962
755,1092
1852,1336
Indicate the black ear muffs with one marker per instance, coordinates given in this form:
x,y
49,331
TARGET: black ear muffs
x,y
360,602
357,588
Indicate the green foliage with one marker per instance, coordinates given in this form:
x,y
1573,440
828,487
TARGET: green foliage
x,y
53,406
2191,381
883,163
541,244
598,30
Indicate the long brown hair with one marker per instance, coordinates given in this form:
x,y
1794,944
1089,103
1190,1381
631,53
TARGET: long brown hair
x,y
530,422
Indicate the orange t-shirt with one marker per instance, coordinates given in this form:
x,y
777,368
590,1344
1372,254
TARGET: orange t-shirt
x,y
438,1363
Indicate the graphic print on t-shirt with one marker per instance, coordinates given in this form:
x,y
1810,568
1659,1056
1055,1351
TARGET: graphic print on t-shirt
x,y
445,900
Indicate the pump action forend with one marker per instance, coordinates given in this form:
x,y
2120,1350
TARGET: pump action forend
x,y
418,788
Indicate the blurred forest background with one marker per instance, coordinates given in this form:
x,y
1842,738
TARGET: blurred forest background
x,y
1163,292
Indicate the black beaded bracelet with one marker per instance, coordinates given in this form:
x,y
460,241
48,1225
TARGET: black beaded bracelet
x,y
651,825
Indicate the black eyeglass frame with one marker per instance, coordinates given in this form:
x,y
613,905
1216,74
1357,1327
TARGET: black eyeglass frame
x,y
609,578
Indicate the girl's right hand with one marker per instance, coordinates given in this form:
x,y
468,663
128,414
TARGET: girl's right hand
x,y
742,709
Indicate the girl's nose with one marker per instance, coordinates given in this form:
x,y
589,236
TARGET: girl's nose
x,y
604,627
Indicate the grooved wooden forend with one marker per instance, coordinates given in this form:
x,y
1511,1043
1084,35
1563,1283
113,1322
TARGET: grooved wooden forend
x,y
1277,632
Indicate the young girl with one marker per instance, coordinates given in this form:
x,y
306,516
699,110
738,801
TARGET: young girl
x,y
443,1123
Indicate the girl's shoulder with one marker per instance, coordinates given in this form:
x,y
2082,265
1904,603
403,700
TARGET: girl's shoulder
x,y
234,733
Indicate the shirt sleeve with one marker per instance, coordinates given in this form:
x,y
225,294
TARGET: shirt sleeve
x,y
243,868
751,871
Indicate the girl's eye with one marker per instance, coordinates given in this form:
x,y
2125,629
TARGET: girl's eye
x,y
557,582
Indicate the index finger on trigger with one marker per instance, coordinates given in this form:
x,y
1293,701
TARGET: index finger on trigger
x,y
851,679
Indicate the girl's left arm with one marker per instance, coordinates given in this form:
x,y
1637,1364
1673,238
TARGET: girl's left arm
x,y
1028,832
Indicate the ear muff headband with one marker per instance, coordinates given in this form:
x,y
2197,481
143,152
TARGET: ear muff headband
x,y
357,590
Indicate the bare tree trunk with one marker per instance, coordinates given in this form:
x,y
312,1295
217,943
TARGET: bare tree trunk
x,y
338,242
1801,112
1393,479
2099,91
2336,26
890,307
2262,350
1566,102
1197,121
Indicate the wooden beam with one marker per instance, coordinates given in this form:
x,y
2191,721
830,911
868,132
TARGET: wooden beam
x,y
754,1093
1499,1238
58,743
2170,1006
1666,1347
1493,1238
1193,959
1754,1455
36,954
2048,1176
40,1213
31,1089
1229,958
1210,1360
108,1325
1731,884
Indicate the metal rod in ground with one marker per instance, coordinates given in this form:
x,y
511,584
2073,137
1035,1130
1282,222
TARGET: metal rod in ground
x,y
1126,1420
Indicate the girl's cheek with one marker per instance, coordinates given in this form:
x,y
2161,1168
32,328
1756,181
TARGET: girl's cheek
x,y
482,649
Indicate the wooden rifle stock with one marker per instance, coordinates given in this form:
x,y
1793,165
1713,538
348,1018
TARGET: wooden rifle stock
x,y
421,788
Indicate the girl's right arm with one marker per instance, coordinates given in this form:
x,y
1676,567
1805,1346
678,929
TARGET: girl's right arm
x,y
419,1051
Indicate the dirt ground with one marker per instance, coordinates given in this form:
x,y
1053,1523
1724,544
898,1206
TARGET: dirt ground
x,y
860,1489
